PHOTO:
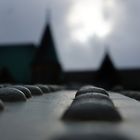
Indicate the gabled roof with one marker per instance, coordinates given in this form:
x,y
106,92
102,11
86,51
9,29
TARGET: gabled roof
x,y
107,74
107,64
46,51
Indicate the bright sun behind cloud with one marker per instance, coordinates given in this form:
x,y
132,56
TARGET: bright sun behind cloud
x,y
89,18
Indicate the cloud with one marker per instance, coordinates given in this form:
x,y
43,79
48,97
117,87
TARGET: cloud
x,y
24,22
124,40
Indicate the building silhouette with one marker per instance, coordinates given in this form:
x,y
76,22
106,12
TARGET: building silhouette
x,y
45,65
107,75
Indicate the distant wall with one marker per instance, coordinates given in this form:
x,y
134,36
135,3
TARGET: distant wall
x,y
17,59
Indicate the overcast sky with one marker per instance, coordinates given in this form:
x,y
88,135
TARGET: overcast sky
x,y
82,29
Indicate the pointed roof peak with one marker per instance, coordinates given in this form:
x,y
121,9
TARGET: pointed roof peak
x,y
107,62
107,73
46,50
